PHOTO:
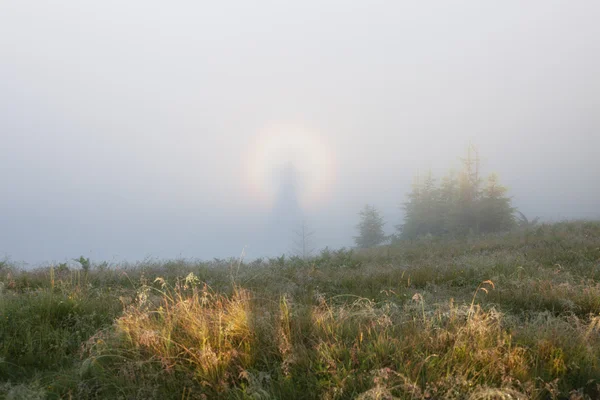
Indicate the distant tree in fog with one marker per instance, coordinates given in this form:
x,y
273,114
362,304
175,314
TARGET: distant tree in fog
x,y
370,228
495,210
458,205
423,209
303,242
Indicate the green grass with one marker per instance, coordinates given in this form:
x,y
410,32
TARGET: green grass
x,y
514,316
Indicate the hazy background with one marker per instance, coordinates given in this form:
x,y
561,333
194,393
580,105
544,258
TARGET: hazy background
x,y
125,126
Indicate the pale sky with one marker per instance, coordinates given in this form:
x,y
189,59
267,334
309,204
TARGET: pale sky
x,y
151,128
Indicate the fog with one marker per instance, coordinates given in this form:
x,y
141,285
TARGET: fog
x,y
169,129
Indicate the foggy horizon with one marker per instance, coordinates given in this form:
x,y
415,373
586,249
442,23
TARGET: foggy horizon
x,y
141,129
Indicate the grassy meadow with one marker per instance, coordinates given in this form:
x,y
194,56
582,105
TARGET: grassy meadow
x,y
512,316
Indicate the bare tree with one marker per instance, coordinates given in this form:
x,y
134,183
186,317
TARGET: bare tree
x,y
303,245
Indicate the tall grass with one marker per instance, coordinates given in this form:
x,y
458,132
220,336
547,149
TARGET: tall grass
x,y
513,316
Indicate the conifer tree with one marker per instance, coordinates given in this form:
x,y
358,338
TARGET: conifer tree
x,y
370,228
430,200
459,205
466,216
448,200
496,212
413,211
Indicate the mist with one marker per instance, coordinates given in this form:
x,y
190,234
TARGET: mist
x,y
145,129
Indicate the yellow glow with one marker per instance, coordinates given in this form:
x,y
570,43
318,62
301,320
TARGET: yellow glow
x,y
309,154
